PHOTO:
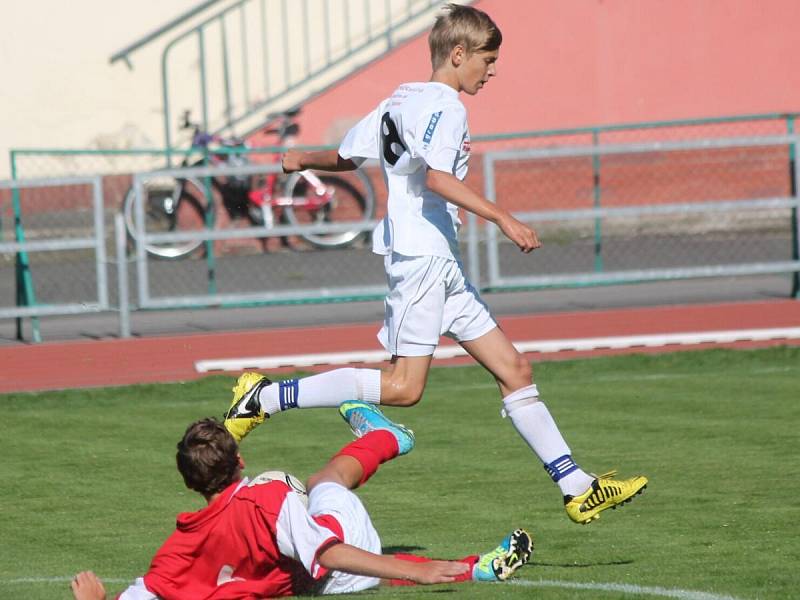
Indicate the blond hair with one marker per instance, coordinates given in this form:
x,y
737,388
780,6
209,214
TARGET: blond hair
x,y
462,25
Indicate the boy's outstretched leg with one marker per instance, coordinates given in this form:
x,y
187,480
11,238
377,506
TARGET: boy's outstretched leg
x,y
379,440
255,397
585,495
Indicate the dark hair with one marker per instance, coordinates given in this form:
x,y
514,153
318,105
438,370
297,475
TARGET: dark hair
x,y
465,25
208,457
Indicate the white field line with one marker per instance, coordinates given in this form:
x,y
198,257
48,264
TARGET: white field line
x,y
579,344
623,588
23,580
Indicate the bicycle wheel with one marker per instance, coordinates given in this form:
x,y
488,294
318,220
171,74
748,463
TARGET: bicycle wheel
x,y
347,204
170,205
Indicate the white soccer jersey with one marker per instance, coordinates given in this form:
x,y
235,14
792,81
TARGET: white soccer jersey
x,y
421,125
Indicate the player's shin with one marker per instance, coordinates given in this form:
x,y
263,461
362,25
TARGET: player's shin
x,y
328,390
371,451
535,424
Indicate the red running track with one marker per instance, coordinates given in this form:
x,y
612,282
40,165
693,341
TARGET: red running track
x,y
93,363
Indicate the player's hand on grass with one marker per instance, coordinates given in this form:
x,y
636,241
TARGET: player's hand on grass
x,y
87,586
523,236
291,161
437,571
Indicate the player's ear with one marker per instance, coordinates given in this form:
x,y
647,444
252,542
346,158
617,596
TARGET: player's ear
x,y
457,55
241,460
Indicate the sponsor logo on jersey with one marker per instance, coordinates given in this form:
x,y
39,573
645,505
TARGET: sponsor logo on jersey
x,y
431,126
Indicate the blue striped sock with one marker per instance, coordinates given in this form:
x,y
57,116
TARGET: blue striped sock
x,y
288,393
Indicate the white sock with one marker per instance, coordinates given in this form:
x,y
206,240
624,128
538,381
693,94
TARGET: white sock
x,y
327,389
534,423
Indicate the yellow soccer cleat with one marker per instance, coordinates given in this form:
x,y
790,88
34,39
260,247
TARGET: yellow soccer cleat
x,y
606,492
245,413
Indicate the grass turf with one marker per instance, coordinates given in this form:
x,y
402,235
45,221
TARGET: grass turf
x,y
88,477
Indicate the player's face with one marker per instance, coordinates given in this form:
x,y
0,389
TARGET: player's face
x,y
476,70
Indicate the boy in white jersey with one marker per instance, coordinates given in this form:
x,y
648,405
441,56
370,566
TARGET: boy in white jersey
x,y
420,136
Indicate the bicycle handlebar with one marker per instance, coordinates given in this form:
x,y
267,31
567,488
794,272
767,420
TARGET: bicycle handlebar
x,y
285,128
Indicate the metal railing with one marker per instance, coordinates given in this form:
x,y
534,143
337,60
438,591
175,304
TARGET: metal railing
x,y
88,235
591,231
256,55
608,213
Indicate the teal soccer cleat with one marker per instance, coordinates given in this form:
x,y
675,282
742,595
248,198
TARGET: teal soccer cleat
x,y
363,418
502,562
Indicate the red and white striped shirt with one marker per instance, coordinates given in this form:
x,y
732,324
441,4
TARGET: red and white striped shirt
x,y
256,540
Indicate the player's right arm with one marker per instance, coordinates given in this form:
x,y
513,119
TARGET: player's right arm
x,y
452,189
325,160
347,558
360,144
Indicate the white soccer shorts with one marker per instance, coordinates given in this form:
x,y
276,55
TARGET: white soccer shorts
x,y
429,297
336,500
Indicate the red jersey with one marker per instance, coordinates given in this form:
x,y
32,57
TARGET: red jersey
x,y
256,540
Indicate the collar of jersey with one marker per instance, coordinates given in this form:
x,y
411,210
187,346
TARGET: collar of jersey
x,y
444,87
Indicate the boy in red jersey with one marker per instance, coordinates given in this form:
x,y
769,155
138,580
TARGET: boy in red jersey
x,y
257,538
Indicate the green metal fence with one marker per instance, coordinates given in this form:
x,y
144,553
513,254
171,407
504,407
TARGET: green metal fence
x,y
554,184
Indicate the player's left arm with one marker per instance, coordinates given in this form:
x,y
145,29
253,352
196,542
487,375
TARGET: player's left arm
x,y
452,189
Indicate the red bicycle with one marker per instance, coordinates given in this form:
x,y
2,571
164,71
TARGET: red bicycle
x,y
304,198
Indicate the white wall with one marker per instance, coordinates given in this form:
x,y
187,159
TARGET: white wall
x,y
57,87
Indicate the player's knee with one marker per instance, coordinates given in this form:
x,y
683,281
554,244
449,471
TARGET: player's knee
x,y
401,394
523,369
519,374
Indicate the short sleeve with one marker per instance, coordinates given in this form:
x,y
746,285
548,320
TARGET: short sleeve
x,y
137,591
300,537
438,137
362,141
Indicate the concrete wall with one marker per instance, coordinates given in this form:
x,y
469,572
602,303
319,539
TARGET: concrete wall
x,y
569,63
57,88
563,63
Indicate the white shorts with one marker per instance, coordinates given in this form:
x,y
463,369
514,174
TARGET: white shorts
x,y
429,297
336,500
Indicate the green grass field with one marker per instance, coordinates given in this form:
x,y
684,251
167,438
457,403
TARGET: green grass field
x,y
88,477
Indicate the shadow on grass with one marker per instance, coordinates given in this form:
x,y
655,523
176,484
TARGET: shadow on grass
x,y
402,549
581,565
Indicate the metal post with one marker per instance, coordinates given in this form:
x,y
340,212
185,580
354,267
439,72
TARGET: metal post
x,y
25,294
285,39
388,10
122,277
245,54
793,176
306,38
264,47
201,50
491,231
141,250
165,101
598,222
100,242
210,219
226,78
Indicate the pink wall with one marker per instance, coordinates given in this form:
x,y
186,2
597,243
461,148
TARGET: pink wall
x,y
568,63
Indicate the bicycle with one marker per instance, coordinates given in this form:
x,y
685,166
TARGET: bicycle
x,y
180,204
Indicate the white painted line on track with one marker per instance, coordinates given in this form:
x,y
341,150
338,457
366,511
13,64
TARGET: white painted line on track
x,y
624,588
580,344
